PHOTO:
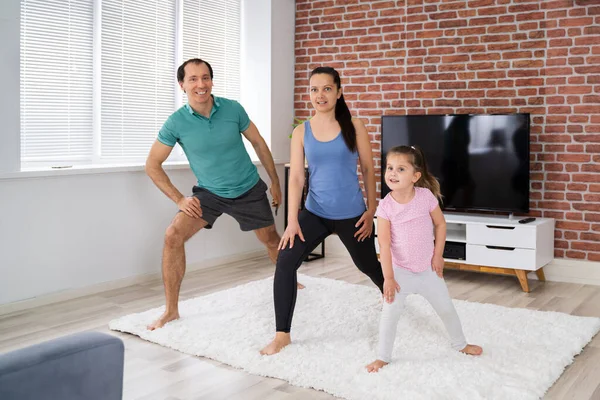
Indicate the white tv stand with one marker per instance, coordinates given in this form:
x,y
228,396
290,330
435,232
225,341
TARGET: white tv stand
x,y
500,245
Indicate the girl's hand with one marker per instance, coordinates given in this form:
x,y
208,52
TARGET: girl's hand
x,y
289,235
437,264
366,220
390,288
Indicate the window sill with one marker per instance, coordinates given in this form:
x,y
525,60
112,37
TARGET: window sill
x,y
96,169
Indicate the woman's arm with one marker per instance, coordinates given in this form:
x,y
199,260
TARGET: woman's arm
x,y
365,156
297,173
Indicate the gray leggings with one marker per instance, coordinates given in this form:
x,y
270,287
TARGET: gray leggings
x,y
434,289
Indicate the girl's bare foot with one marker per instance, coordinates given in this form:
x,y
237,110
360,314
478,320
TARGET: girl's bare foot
x,y
472,350
300,286
376,365
166,317
281,340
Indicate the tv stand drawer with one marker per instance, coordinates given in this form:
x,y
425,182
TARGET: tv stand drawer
x,y
501,256
502,235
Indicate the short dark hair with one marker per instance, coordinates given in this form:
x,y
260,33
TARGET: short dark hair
x,y
181,69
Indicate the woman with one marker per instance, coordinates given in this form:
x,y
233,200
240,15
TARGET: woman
x,y
332,142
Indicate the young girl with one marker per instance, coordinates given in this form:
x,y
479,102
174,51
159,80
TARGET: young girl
x,y
409,219
333,142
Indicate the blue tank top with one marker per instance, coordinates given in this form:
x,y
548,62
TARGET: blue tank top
x,y
333,188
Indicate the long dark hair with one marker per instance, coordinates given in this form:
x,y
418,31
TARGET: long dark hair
x,y
417,160
342,113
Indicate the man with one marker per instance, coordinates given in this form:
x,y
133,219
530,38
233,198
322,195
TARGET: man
x,y
208,129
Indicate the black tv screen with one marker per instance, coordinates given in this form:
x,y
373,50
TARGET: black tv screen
x,y
481,161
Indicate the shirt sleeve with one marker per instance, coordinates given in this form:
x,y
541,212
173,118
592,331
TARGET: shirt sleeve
x,y
431,201
166,135
382,209
244,120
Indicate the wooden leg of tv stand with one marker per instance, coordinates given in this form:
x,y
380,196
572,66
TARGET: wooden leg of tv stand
x,y
522,276
540,274
519,273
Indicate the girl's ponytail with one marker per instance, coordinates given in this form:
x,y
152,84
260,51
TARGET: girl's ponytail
x,y
427,180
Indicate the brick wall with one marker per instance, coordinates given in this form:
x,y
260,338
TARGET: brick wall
x,y
477,56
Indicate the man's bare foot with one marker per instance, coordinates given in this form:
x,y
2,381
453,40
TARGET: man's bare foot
x,y
376,365
281,340
300,286
472,350
166,317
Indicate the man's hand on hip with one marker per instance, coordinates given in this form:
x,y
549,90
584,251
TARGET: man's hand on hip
x,y
276,193
190,206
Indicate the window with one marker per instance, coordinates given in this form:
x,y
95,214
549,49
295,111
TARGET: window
x,y
98,77
138,56
211,31
56,80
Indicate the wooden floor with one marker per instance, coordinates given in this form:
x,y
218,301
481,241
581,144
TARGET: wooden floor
x,y
155,372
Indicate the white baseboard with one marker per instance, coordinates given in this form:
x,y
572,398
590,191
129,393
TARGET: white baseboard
x,y
117,284
558,270
573,271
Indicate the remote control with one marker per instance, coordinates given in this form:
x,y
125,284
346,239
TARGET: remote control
x,y
526,220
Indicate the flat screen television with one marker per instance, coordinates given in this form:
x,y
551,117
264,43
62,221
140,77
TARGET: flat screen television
x,y
481,161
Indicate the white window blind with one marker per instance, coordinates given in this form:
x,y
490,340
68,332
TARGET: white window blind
x,y
138,74
82,104
211,31
56,80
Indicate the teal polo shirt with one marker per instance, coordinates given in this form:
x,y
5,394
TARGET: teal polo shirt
x,y
214,146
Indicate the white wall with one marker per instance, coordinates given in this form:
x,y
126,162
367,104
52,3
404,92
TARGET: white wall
x,y
282,75
66,232
256,65
63,232
268,69
9,86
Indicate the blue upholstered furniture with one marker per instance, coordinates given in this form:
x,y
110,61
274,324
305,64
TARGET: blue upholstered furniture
x,y
86,365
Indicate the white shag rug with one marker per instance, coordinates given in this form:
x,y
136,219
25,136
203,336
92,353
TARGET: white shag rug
x,y
335,331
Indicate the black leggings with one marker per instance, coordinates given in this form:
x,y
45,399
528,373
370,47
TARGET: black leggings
x,y
315,229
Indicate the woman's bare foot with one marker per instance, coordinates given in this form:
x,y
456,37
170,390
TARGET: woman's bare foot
x,y
300,286
281,340
472,350
166,317
376,365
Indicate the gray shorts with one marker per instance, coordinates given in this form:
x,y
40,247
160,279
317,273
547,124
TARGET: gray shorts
x,y
251,210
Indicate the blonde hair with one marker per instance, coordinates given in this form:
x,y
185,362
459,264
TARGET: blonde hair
x,y
417,160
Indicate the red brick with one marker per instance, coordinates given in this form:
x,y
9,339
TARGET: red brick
x,y
574,196
561,43
454,23
576,21
533,44
384,4
531,16
470,94
554,205
586,178
453,6
481,3
443,15
492,11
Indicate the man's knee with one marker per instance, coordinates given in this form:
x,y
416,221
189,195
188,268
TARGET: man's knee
x,y
177,234
174,236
